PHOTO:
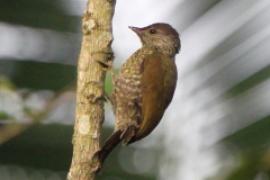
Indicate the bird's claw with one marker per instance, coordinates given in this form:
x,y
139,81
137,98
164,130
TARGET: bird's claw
x,y
106,66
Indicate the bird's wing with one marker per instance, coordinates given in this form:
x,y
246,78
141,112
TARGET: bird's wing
x,y
158,84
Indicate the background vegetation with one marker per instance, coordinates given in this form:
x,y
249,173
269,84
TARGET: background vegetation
x,y
218,126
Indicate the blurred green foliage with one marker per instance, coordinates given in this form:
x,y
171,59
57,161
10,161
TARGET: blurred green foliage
x,y
40,14
250,82
49,146
253,137
38,75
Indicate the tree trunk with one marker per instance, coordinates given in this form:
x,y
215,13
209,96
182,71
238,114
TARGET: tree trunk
x,y
95,51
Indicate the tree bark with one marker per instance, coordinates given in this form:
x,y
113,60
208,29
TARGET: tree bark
x,y
95,51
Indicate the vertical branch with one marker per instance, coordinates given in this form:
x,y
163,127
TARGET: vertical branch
x,y
95,50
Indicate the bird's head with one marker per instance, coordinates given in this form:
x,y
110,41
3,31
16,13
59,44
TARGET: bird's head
x,y
161,36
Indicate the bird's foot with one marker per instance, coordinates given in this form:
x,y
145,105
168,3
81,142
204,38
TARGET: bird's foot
x,y
99,95
106,66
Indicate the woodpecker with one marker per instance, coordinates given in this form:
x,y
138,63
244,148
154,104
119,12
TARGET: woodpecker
x,y
145,85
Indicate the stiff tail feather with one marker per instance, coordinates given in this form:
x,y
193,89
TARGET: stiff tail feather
x,y
109,145
118,136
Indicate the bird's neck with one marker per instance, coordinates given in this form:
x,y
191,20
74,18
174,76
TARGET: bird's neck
x,y
166,50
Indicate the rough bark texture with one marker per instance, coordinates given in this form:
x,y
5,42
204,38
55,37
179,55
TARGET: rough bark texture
x,y
95,50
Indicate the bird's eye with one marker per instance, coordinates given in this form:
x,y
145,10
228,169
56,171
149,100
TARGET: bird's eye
x,y
153,31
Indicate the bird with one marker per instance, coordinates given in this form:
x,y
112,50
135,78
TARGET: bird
x,y
144,87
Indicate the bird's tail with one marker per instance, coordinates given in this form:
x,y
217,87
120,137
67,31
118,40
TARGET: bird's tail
x,y
109,145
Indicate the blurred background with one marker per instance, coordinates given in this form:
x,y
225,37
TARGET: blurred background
x,y
217,127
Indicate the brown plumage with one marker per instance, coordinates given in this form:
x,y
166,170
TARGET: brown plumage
x,y
145,86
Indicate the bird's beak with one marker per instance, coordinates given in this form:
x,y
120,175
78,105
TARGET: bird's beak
x,y
136,30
